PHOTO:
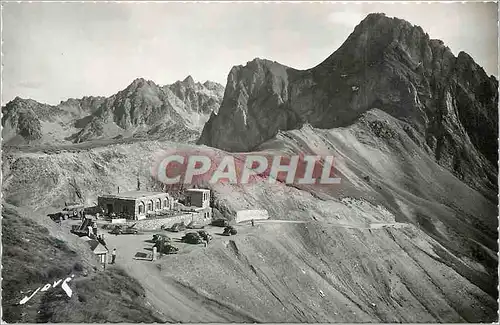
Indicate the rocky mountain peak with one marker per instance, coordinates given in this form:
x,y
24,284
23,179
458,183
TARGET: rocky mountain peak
x,y
143,108
386,63
20,105
139,83
189,81
214,86
375,39
19,101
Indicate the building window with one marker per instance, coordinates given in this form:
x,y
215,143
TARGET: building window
x,y
158,204
150,206
141,208
165,204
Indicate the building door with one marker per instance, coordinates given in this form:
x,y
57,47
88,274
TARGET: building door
x,y
110,208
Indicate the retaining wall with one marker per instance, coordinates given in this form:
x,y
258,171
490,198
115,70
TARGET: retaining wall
x,y
155,224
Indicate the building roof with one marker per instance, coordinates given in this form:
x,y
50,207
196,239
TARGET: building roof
x,y
96,247
198,190
133,195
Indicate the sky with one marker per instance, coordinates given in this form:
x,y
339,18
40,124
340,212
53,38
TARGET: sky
x,y
55,51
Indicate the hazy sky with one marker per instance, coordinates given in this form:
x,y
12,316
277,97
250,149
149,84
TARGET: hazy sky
x,y
54,51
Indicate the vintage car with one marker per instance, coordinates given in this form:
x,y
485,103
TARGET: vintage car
x,y
205,235
192,238
163,237
228,231
119,230
220,223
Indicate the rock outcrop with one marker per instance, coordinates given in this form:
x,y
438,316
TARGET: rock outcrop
x,y
143,109
386,63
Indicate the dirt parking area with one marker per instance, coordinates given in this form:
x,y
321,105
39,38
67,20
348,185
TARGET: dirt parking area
x,y
139,247
134,255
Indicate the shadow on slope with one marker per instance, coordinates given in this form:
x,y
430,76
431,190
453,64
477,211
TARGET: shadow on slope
x,y
316,272
33,258
409,183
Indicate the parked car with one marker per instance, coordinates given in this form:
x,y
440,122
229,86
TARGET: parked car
x,y
180,226
205,235
166,248
192,238
119,230
228,231
157,237
73,211
220,223
193,225
169,249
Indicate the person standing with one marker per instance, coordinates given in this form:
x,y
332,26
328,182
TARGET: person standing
x,y
60,221
113,256
253,223
160,247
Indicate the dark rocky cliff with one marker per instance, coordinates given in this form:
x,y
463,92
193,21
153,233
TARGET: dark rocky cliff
x,y
386,63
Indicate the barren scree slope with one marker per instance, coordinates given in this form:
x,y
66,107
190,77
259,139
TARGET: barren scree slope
x,y
439,267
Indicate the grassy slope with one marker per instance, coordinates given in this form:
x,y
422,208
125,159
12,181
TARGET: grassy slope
x,y
111,296
32,258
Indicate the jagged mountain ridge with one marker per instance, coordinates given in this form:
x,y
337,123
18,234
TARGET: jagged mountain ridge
x,y
386,63
143,109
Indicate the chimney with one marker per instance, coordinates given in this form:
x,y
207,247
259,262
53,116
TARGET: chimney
x,y
138,183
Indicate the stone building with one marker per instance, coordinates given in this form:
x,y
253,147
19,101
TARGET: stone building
x,y
135,205
198,200
198,197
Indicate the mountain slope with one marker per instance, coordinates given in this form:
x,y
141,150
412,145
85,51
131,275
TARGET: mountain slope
x,y
386,63
143,110
30,122
319,271
403,179
36,255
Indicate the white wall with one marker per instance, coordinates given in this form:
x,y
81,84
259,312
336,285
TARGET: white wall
x,y
247,215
